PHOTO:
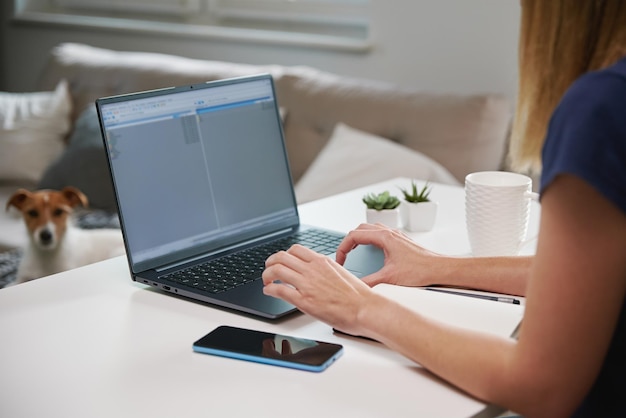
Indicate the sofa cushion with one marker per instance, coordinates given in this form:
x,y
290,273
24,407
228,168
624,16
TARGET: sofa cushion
x,y
33,127
353,158
464,133
83,164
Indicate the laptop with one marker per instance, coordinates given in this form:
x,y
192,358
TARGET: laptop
x,y
204,191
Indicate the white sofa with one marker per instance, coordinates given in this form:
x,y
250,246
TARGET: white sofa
x,y
340,132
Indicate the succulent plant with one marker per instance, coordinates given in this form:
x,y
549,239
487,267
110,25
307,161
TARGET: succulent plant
x,y
415,196
381,201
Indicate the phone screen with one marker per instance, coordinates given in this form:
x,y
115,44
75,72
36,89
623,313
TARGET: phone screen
x,y
269,348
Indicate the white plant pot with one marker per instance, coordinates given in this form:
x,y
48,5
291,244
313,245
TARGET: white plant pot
x,y
389,217
419,217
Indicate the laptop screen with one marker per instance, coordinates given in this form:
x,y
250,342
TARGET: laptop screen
x,y
197,168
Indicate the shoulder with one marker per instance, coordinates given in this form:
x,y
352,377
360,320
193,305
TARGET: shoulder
x,y
587,133
596,93
592,111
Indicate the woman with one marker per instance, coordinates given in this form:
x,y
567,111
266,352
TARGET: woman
x,y
570,357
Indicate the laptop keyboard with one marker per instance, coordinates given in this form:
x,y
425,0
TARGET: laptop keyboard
x,y
246,266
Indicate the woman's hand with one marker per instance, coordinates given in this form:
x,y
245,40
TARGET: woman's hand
x,y
406,263
318,286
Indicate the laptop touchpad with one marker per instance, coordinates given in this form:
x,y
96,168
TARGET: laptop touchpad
x,y
364,260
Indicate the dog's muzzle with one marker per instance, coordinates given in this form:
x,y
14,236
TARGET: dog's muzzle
x,y
45,238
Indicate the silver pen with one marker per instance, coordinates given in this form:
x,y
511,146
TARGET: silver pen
x,y
503,299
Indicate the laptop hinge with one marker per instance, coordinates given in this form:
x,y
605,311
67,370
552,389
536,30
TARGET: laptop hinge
x,y
222,250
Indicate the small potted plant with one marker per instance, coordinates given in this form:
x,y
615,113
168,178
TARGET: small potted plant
x,y
382,208
418,211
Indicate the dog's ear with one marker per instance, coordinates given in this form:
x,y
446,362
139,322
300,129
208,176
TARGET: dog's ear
x,y
18,198
75,196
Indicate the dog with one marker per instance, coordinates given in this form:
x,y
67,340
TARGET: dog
x,y
55,244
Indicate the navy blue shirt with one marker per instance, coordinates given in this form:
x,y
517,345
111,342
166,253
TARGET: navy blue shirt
x,y
587,138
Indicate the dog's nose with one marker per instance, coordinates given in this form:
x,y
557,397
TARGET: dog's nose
x,y
45,236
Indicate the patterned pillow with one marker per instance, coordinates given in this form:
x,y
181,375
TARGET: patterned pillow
x,y
33,127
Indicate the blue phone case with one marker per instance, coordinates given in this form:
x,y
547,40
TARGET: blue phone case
x,y
245,344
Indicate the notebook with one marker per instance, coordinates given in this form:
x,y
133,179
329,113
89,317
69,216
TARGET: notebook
x,y
201,175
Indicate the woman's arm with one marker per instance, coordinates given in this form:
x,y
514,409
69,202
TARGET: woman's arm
x,y
408,264
575,294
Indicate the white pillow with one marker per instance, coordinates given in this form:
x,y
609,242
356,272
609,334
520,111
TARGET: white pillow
x,y
32,131
353,159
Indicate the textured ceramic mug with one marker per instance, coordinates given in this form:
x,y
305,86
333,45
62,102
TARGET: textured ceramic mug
x,y
497,209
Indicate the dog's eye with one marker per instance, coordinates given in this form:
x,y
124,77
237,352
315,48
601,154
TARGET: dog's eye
x,y
58,212
33,213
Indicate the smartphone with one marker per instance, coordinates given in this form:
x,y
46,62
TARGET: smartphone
x,y
269,348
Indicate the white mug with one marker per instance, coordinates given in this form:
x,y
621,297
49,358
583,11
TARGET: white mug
x,y
497,209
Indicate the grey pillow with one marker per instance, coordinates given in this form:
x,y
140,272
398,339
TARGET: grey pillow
x,y
83,164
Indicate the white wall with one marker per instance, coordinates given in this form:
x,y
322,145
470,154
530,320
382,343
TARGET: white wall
x,y
437,45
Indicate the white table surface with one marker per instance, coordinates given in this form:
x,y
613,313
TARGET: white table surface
x,y
92,343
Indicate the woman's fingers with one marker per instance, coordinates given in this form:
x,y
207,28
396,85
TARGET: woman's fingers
x,y
289,268
364,234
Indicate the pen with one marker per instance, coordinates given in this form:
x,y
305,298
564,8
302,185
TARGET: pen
x,y
475,295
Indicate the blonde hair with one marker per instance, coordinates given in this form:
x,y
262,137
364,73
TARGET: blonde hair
x,y
559,41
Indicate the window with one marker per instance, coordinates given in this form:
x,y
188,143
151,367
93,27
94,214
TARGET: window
x,y
330,23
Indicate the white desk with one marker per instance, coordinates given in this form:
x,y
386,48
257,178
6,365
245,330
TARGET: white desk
x,y
92,343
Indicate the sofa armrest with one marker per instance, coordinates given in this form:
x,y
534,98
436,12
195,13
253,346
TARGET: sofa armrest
x,y
97,72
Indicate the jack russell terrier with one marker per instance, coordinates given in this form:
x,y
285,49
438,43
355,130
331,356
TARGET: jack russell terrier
x,y
55,244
